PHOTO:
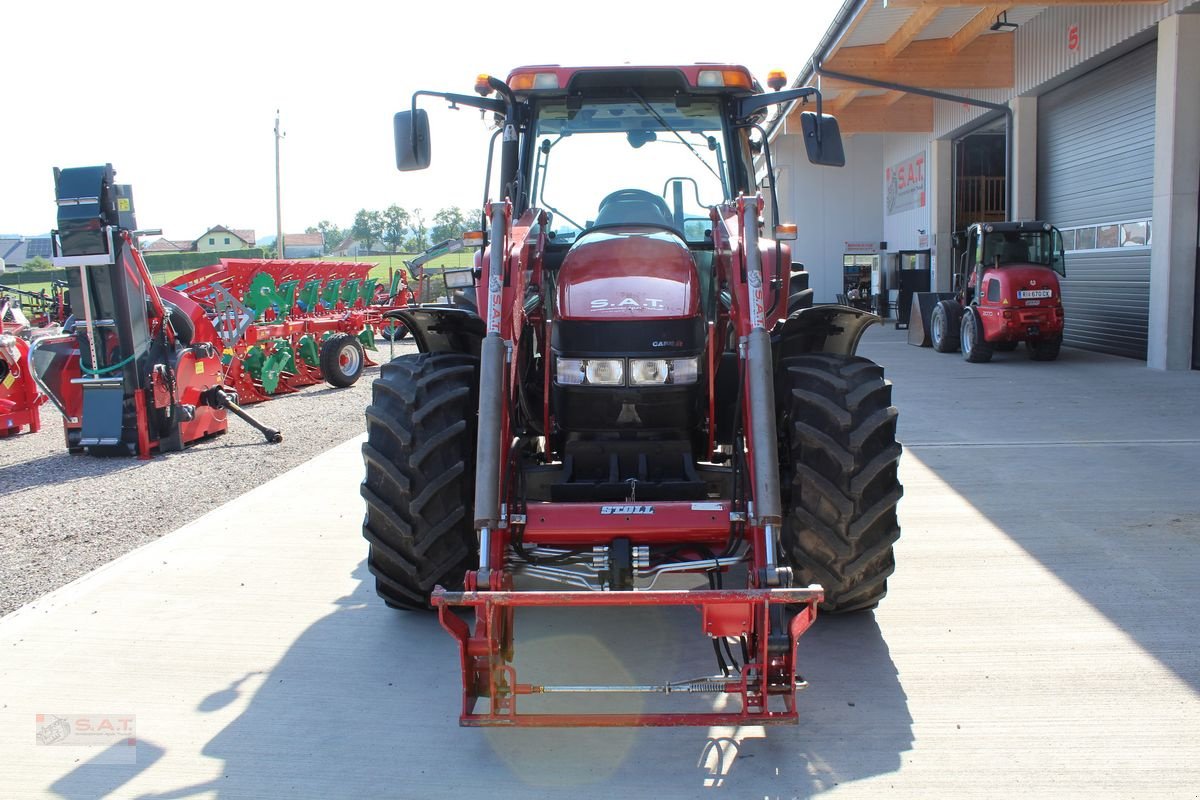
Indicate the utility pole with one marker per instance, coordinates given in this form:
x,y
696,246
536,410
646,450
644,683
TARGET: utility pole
x,y
278,202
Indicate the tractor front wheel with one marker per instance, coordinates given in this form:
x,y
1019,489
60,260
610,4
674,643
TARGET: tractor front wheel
x,y
975,348
841,484
943,326
342,360
420,476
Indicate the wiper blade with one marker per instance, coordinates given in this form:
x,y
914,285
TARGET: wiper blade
x,y
667,125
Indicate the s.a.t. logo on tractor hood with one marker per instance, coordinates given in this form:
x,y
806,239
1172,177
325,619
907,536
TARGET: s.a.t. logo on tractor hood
x,y
639,273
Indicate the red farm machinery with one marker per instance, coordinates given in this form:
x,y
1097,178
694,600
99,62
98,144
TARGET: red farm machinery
x,y
23,316
140,367
637,397
1008,292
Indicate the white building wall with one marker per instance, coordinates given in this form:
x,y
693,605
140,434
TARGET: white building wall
x,y
902,230
830,205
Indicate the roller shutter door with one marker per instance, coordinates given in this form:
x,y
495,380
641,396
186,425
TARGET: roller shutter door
x,y
1096,167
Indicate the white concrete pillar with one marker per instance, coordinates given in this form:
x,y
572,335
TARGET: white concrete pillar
x,y
941,216
1176,187
1024,166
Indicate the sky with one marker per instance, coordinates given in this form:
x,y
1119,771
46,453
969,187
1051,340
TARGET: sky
x,y
181,97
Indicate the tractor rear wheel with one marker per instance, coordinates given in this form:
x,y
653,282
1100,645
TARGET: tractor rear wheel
x,y
420,474
943,326
840,482
1044,349
975,348
342,360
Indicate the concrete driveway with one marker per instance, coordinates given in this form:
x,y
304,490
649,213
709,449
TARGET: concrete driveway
x,y
1039,638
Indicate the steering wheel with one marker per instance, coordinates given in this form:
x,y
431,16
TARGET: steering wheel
x,y
638,195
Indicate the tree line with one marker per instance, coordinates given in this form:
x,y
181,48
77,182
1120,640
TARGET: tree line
x,y
396,229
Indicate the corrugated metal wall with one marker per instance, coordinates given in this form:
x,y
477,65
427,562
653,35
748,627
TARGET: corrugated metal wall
x,y
1096,165
1043,53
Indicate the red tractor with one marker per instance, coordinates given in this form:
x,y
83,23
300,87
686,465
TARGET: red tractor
x,y
637,393
1008,293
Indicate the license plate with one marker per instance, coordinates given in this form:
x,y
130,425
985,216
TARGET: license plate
x,y
1034,294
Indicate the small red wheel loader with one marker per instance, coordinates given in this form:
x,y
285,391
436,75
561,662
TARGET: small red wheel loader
x,y
1008,293
638,390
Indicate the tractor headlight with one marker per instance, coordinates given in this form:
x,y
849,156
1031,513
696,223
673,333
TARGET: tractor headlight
x,y
648,371
569,371
604,371
661,371
613,371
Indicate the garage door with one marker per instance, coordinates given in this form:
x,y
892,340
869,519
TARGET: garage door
x,y
1095,181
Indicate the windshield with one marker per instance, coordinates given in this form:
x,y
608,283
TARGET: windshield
x,y
1025,247
651,162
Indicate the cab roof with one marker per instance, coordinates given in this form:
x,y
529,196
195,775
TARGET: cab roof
x,y
692,78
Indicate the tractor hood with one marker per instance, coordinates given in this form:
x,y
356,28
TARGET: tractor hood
x,y
634,272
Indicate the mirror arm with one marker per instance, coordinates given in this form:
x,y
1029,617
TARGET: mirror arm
x,y
748,105
485,103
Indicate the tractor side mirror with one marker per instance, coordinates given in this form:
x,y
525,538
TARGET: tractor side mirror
x,y
412,139
822,139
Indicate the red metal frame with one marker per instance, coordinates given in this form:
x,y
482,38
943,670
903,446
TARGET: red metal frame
x,y
485,653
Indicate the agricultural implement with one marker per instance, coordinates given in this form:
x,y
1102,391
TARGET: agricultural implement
x,y
639,393
289,324
20,398
139,367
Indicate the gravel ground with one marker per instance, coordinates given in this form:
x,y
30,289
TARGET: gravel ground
x,y
62,516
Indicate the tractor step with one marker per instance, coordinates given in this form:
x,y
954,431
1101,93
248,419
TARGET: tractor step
x,y
766,686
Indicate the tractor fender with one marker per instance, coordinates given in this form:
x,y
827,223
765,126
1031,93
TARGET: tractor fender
x,y
442,329
821,329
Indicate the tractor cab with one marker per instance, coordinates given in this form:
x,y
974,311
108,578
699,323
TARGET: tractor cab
x,y
1035,246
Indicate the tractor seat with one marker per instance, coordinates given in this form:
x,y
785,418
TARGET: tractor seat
x,y
632,212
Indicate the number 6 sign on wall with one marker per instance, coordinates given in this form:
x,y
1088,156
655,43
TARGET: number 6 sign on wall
x,y
1073,37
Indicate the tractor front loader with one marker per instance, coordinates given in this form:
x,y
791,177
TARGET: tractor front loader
x,y
639,394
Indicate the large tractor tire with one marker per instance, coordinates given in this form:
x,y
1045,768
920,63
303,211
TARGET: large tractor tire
x,y
943,326
975,348
840,482
420,474
342,360
1044,349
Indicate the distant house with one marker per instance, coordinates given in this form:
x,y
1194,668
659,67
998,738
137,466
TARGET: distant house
x,y
169,246
214,240
16,250
219,238
303,245
350,247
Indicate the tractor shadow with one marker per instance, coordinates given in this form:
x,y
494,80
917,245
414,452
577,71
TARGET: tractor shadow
x,y
365,704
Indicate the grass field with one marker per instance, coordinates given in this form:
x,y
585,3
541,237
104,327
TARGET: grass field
x,y
27,281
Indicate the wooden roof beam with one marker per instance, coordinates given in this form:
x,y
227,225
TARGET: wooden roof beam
x,y
881,114
979,24
929,64
912,27
845,97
